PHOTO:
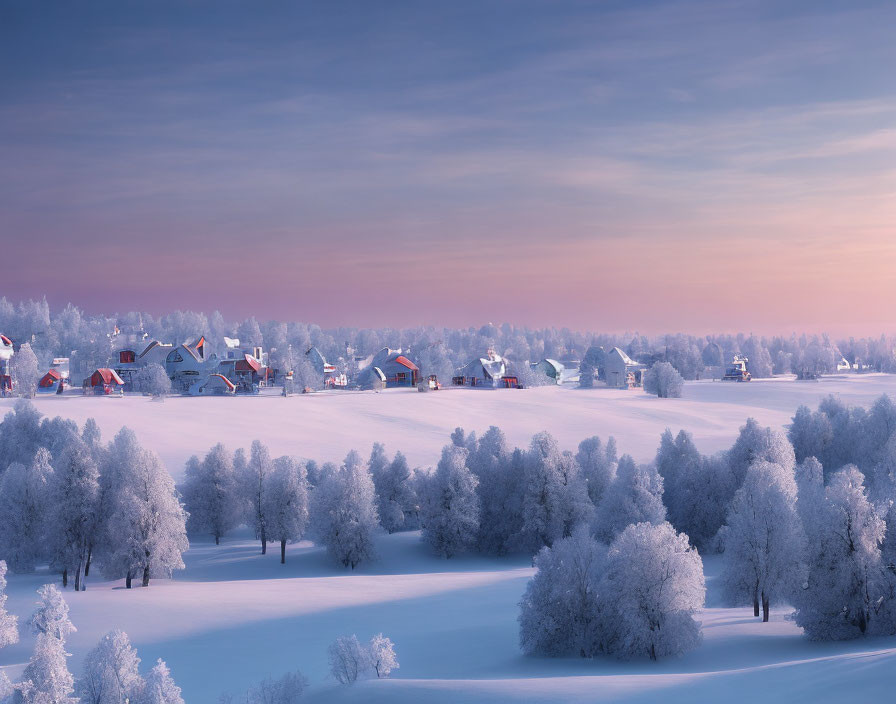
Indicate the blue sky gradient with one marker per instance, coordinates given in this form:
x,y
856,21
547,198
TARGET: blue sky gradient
x,y
607,165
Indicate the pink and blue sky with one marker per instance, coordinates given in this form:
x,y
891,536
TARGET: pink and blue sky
x,y
602,165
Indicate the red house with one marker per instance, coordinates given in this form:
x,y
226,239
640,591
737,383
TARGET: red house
x,y
104,378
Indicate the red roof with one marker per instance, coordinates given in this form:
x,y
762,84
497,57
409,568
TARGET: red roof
x,y
105,376
223,378
251,361
49,378
405,362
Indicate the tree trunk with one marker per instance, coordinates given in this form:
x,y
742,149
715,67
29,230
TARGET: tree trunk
x,y
764,608
264,541
282,552
755,605
65,577
78,578
146,576
217,540
652,651
87,566
127,580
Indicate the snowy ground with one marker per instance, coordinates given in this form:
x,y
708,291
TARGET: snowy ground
x,y
234,616
326,426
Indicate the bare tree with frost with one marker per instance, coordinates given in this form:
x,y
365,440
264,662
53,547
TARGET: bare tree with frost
x,y
287,689
764,544
73,516
663,380
287,503
348,659
381,655
397,502
256,478
147,521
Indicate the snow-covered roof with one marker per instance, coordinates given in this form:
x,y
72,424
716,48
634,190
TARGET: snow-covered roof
x,y
231,343
625,358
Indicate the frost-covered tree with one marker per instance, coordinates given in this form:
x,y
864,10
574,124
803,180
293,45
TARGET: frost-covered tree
x,y
348,659
153,380
20,434
287,689
635,496
344,512
598,464
755,443
663,380
652,588
381,655
395,496
147,523
160,687
111,674
255,480
51,615
560,612
450,511
764,541
810,434
6,688
287,503
555,496
73,513
9,630
845,583
590,366
500,492
23,368
24,505
46,679
210,494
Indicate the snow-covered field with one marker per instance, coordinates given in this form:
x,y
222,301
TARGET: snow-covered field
x,y
234,616
326,426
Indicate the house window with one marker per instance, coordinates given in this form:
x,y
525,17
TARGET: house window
x,y
126,357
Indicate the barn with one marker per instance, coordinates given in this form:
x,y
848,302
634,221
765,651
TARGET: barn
x,y
618,367
51,383
551,368
105,379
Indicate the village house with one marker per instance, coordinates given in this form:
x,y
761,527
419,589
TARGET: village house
x,y
490,371
185,364
104,381
246,369
621,371
51,383
130,362
395,365
6,353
